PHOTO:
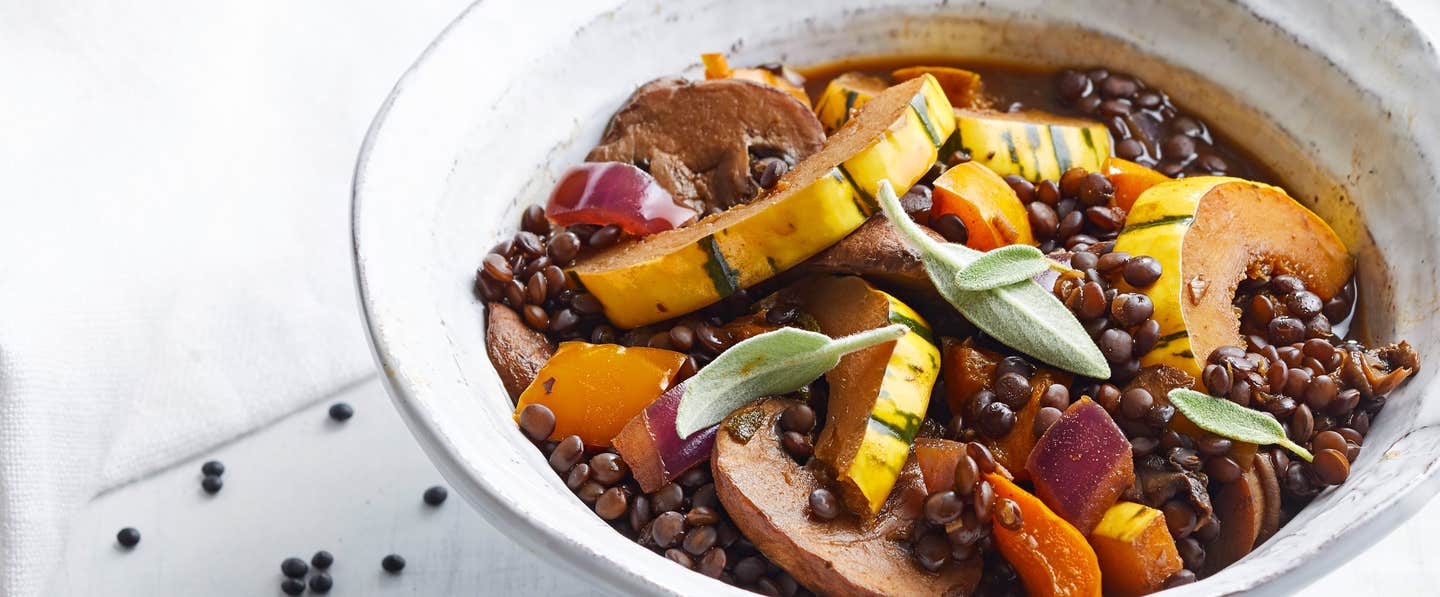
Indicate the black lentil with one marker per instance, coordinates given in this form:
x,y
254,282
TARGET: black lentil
x,y
435,495
341,411
393,563
128,537
294,568
321,582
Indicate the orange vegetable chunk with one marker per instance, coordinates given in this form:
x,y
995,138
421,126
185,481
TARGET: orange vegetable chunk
x,y
1050,556
937,459
1129,179
717,67
967,369
962,87
595,389
992,213
1135,549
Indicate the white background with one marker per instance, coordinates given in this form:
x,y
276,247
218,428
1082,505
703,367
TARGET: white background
x,y
306,483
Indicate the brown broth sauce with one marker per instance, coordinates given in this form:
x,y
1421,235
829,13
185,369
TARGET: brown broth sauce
x,y
1032,87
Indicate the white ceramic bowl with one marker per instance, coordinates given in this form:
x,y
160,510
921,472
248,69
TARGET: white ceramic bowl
x,y
1339,99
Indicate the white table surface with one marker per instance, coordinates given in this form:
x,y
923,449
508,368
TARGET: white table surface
x,y
308,483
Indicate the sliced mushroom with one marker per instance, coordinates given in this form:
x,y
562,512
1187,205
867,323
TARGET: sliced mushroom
x,y
697,138
517,351
1240,507
1377,371
767,493
875,251
1270,492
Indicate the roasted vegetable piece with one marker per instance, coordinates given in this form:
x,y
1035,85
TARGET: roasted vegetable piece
x,y
595,389
765,492
716,67
655,452
1049,555
697,137
517,351
815,205
1033,145
878,396
1270,496
1129,179
968,369
937,459
1240,508
1135,550
962,87
843,94
1081,465
614,193
1209,233
992,213
877,252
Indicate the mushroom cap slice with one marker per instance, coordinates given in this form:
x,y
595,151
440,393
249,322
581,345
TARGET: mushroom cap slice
x,y
517,351
697,138
1240,507
766,493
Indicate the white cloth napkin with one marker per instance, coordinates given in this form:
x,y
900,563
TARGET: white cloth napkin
x,y
174,240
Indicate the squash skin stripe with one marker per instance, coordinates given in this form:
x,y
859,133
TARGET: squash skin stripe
x,y
866,198
1089,142
1009,140
921,106
1165,221
726,280
1062,149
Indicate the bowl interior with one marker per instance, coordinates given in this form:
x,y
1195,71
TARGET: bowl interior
x,y
511,95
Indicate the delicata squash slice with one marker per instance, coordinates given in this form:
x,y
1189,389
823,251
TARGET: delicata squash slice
x,y
827,196
1209,233
879,395
1035,146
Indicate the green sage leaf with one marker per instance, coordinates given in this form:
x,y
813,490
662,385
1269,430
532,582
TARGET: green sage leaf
x,y
775,362
1225,418
1002,266
1021,315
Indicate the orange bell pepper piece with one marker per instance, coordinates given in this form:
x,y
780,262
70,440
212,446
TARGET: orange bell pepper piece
x,y
1129,179
962,87
983,200
716,67
595,389
1051,557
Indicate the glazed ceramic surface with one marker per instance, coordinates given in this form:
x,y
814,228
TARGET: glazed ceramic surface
x,y
1339,101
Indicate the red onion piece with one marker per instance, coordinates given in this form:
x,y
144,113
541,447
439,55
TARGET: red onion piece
x,y
650,446
614,193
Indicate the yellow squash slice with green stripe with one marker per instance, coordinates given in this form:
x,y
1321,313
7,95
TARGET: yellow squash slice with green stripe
x,y
878,396
896,136
1034,145
1209,233
844,93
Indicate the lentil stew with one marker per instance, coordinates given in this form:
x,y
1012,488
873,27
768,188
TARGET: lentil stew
x,y
720,215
